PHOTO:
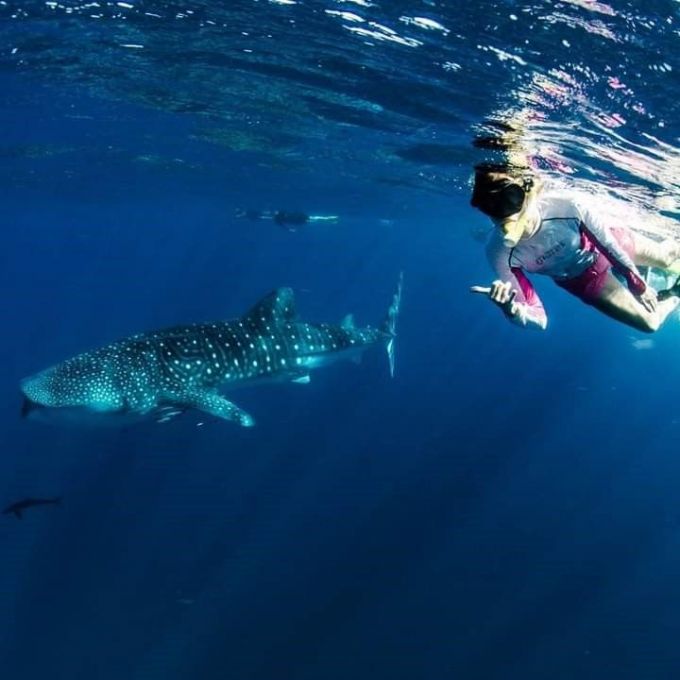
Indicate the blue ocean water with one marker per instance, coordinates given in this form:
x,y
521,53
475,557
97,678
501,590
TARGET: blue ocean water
x,y
505,507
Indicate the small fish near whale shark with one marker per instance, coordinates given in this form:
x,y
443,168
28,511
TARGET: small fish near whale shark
x,y
163,373
17,509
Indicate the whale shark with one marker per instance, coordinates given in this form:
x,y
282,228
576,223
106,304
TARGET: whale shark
x,y
163,373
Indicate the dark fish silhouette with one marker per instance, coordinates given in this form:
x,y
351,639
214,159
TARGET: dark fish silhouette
x,y
18,508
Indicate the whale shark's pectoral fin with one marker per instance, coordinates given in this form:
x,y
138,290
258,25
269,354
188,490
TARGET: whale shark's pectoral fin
x,y
216,405
302,379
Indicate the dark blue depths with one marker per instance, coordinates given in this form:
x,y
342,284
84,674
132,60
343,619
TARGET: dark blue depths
x,y
505,507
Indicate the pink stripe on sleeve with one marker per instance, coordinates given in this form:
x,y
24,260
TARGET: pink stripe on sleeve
x,y
528,291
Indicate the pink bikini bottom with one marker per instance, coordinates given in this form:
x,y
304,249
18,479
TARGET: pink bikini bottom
x,y
588,285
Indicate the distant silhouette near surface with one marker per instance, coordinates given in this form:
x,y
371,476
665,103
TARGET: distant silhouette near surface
x,y
18,508
291,220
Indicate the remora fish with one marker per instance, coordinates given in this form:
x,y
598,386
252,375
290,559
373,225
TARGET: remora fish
x,y
163,373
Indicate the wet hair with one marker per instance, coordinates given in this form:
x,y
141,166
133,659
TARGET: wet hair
x,y
500,189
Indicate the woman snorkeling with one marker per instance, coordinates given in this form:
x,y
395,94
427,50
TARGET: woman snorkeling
x,y
556,235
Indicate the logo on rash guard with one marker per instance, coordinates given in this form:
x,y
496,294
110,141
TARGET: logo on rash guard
x,y
550,252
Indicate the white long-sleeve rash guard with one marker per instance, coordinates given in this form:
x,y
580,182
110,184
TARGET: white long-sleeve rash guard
x,y
556,249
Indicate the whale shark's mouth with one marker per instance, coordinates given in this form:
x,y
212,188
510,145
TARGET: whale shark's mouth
x,y
80,416
34,410
29,406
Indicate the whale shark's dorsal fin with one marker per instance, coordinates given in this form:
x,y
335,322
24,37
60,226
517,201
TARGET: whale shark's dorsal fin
x,y
348,323
278,306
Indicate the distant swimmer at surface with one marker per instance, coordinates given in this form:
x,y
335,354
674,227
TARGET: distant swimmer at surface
x,y
290,220
17,509
553,233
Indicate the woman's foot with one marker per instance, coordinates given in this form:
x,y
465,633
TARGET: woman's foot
x,y
673,291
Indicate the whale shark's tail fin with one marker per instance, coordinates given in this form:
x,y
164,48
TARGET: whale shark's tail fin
x,y
389,325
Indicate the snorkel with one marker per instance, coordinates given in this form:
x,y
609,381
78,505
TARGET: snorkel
x,y
507,200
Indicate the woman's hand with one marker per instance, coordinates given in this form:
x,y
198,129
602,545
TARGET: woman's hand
x,y
502,294
648,299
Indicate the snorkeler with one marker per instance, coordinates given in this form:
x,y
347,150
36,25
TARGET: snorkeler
x,y
290,220
556,235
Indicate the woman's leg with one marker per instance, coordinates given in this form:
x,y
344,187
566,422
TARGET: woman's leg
x,y
617,302
662,255
650,253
